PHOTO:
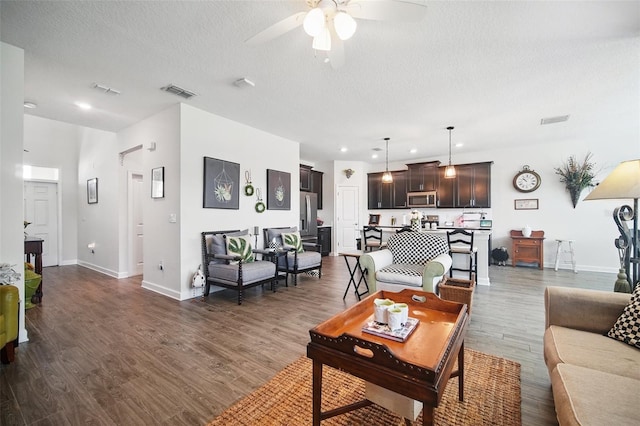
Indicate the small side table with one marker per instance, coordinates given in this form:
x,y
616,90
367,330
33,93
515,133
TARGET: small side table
x,y
528,249
352,274
559,250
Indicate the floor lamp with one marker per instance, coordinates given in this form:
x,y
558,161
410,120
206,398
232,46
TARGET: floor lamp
x,y
624,183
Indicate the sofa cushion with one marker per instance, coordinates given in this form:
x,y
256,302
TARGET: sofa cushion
x,y
251,272
306,259
416,248
216,244
239,246
627,327
586,349
589,397
403,274
276,233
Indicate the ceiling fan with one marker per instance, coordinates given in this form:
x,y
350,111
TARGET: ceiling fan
x,y
330,22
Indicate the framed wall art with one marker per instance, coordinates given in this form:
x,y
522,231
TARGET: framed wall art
x,y
157,182
278,190
92,191
526,204
221,184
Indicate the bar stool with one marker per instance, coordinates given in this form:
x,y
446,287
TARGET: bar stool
x,y
559,250
461,242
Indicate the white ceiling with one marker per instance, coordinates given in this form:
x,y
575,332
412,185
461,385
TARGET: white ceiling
x,y
491,69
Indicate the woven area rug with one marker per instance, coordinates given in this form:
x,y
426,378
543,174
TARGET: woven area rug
x,y
492,397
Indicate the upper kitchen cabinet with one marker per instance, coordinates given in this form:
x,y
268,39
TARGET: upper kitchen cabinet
x,y
311,181
387,195
470,188
422,176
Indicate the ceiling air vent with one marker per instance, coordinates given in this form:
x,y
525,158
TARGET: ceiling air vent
x,y
557,119
176,90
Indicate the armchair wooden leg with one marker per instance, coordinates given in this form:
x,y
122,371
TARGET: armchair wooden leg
x,y
7,354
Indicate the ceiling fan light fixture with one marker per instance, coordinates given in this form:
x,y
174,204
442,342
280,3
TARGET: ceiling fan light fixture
x,y
314,22
345,25
322,41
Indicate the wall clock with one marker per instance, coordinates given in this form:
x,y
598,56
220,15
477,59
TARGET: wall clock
x,y
526,180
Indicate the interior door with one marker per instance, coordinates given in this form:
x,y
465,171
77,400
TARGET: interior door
x,y
137,224
41,209
347,217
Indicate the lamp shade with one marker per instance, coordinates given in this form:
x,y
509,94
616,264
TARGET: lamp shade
x,y
622,183
314,22
322,41
344,25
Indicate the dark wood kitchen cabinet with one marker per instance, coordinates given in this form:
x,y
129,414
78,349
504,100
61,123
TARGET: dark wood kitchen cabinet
x,y
387,195
470,188
422,176
311,181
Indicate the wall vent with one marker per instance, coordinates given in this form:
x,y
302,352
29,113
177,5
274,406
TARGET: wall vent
x,y
551,120
176,90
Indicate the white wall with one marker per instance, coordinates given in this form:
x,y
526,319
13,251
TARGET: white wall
x,y
55,144
98,223
204,134
11,188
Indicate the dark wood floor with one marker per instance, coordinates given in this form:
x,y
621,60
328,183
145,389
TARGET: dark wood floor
x,y
106,351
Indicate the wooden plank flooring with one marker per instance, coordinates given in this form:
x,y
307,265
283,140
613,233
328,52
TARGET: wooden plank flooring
x,y
106,351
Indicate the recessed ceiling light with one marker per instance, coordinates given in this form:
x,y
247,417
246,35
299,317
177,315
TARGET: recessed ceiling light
x,y
30,105
343,149
459,144
413,150
82,105
374,155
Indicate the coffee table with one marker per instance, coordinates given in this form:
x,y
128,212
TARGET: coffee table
x,y
418,368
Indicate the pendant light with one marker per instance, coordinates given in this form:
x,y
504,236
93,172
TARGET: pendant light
x,y
386,176
450,171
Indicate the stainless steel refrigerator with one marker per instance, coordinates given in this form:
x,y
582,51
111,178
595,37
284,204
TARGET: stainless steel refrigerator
x,y
308,216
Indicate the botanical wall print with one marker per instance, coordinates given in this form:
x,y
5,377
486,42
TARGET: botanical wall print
x,y
92,191
221,184
278,190
157,182
577,176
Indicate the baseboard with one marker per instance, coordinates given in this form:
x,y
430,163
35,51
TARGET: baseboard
x,y
162,290
100,269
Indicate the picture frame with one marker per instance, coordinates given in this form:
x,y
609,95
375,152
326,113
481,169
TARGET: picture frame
x,y
221,187
92,191
526,204
157,182
278,190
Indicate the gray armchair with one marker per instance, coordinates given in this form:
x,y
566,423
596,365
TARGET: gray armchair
x,y
294,262
230,270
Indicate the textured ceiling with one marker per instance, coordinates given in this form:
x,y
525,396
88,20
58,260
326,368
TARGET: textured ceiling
x,y
491,69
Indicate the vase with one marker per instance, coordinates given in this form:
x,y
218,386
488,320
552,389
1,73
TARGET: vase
x,y
526,231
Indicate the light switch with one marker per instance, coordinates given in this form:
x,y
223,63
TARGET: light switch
x,y
172,218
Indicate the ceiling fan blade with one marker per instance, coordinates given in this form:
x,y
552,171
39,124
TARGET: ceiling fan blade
x,y
336,54
387,10
277,29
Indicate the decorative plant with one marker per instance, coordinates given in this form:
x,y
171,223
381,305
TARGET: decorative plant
x,y
577,176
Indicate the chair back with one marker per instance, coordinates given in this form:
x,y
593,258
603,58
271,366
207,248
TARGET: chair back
x,y
373,235
460,240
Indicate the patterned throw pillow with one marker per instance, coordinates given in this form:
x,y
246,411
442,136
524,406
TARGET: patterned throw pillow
x,y
240,246
627,327
293,239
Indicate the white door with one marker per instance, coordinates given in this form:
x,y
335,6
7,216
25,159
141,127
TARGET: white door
x,y
347,217
41,209
137,226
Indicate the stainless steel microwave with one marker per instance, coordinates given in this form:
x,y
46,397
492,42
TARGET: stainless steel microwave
x,y
422,199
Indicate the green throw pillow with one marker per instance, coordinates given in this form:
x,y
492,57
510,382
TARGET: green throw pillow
x,y
293,239
240,246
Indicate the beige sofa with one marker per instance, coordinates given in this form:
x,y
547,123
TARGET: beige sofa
x,y
595,379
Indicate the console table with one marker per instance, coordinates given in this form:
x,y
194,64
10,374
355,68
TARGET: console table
x,y
527,249
33,246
